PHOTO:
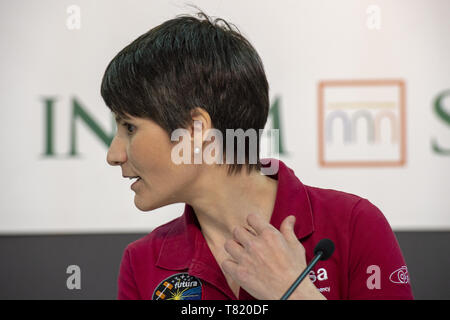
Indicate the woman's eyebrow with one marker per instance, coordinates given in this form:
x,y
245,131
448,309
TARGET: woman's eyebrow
x,y
120,118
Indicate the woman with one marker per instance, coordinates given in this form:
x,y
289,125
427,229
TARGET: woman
x,y
243,234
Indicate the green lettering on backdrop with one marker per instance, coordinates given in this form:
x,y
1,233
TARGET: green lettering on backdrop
x,y
445,117
80,113
48,127
274,112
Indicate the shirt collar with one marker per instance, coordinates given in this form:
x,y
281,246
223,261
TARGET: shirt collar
x,y
179,245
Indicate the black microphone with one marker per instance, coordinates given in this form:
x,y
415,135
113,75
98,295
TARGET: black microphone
x,y
323,250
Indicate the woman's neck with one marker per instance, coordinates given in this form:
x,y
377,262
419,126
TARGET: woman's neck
x,y
222,202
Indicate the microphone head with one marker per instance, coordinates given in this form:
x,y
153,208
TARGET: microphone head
x,y
327,248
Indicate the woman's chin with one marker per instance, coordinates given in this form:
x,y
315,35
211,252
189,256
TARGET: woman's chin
x,y
143,205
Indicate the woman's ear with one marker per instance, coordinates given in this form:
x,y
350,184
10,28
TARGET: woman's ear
x,y
198,129
201,122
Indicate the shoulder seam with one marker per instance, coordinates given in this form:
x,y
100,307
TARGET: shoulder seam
x,y
351,228
128,258
352,218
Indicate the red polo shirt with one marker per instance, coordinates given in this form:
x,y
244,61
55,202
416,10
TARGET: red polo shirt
x,y
175,262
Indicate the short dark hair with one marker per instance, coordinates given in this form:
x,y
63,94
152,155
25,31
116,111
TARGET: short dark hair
x,y
189,62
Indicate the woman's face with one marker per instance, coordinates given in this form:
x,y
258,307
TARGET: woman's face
x,y
142,148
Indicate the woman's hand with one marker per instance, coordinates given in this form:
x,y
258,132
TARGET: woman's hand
x,y
267,263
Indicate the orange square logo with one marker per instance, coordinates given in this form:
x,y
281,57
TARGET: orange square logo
x,y
362,123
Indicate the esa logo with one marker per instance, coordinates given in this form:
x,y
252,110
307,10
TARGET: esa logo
x,y
321,275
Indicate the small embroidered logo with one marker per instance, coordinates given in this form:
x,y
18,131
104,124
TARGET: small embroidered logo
x,y
180,286
400,276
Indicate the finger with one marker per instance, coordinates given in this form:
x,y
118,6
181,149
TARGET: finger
x,y
234,249
287,229
257,222
242,236
250,229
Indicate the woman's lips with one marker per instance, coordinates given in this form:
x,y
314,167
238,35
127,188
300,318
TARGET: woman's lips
x,y
135,183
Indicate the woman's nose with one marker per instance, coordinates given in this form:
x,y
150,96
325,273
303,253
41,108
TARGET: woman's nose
x,y
116,152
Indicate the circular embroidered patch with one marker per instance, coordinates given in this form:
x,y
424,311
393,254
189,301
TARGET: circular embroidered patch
x,y
180,286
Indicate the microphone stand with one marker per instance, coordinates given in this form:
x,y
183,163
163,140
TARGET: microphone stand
x,y
302,275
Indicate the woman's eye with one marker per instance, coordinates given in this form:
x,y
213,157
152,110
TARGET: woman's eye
x,y
130,128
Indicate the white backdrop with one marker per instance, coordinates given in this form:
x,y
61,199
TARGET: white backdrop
x,y
301,43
